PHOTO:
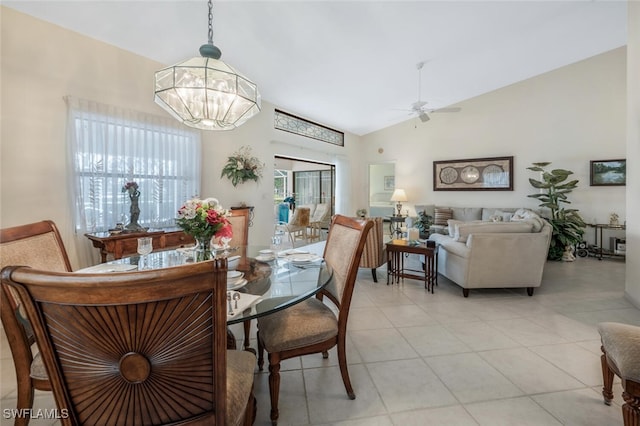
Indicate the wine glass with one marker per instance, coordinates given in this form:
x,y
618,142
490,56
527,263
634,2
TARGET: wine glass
x,y
225,244
145,246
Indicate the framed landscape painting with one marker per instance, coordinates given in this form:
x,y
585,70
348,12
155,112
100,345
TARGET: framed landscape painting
x,y
608,172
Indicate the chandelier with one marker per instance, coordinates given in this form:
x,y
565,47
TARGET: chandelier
x,y
206,93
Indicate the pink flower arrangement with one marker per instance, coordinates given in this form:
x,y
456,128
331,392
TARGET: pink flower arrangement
x,y
204,219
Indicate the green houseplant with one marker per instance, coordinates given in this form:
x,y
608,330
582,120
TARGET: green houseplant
x,y
568,225
423,223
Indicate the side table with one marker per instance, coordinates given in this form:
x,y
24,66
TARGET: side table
x,y
396,249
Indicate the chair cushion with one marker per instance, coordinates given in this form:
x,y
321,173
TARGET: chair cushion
x,y
38,370
240,369
622,344
304,324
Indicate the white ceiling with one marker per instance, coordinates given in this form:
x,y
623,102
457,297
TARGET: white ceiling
x,y
352,64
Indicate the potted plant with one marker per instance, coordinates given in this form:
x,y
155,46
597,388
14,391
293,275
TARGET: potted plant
x,y
568,225
423,223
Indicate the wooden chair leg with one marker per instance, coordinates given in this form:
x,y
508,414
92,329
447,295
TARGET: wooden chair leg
x,y
375,275
251,410
607,378
274,386
631,407
247,337
25,400
260,353
342,362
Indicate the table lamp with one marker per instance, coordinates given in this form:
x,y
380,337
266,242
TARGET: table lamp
x,y
399,196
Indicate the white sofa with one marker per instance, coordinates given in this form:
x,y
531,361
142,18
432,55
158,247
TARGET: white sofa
x,y
477,253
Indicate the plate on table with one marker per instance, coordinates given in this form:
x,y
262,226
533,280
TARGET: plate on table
x,y
236,284
105,268
303,258
234,275
265,257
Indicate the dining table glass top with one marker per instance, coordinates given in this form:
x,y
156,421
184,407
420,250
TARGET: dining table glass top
x,y
262,283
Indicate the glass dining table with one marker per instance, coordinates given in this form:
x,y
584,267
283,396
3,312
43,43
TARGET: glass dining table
x,y
262,283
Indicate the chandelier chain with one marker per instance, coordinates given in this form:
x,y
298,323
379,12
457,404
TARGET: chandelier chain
x,y
210,4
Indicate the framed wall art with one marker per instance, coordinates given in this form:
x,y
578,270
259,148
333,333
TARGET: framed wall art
x,y
389,183
608,173
477,174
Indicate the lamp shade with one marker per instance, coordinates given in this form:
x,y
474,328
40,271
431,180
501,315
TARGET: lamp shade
x,y
399,195
207,94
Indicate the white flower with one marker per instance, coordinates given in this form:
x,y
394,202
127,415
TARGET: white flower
x,y
210,202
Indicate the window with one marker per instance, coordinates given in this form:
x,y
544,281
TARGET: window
x,y
109,147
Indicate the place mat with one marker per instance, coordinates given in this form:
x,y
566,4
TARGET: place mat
x,y
106,268
246,301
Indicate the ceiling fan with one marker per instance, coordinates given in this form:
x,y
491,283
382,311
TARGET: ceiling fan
x,y
419,108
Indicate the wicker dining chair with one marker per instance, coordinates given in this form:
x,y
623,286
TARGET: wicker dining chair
x,y
311,326
38,245
138,348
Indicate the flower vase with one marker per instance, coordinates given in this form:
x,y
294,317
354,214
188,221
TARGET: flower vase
x,y
203,249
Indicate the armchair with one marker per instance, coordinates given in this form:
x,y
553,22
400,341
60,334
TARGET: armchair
x,y
373,255
297,226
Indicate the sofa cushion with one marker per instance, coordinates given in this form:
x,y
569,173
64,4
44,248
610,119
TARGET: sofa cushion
x,y
528,216
463,231
441,215
467,214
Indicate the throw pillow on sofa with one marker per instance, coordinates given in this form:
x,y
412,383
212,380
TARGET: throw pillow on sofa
x,y
441,216
526,215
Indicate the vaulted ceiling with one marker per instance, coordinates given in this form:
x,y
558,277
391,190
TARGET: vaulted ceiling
x,y
352,64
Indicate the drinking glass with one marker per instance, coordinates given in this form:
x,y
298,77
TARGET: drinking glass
x,y
225,244
145,246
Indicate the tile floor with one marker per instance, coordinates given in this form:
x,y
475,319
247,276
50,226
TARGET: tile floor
x,y
496,358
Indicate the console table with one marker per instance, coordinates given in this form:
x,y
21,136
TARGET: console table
x,y
598,250
124,244
396,249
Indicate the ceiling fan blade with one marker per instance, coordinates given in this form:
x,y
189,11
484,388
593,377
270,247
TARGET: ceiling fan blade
x,y
452,109
424,117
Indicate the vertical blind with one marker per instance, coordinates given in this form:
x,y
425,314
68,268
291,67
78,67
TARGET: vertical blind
x,y
110,146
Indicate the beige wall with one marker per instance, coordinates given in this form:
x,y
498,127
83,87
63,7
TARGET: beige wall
x,y
633,152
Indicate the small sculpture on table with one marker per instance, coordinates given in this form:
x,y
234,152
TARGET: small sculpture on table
x,y
134,194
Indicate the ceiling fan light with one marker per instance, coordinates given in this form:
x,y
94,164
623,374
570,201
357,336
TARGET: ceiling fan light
x,y
424,117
